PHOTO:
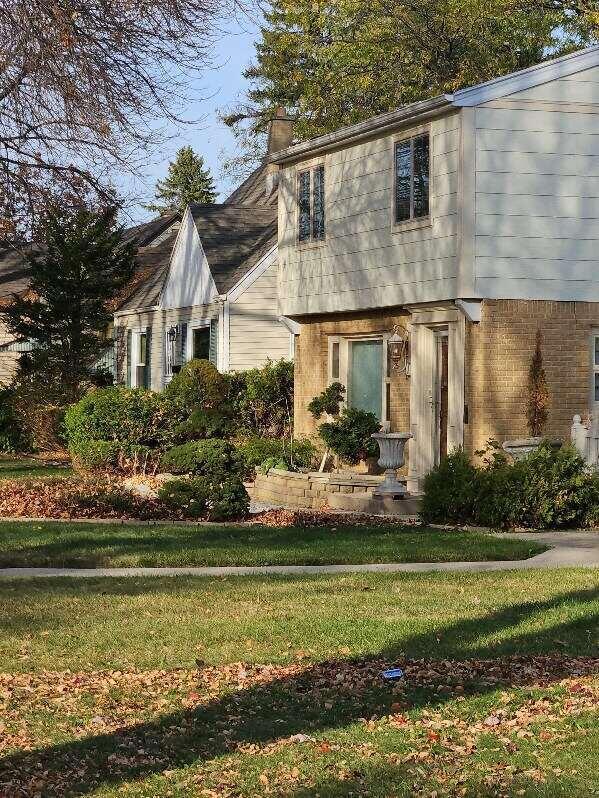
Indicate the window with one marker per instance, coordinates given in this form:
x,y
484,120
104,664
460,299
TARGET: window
x,y
311,201
201,343
595,358
412,178
361,365
139,358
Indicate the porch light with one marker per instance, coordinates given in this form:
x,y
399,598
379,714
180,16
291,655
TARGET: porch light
x,y
398,346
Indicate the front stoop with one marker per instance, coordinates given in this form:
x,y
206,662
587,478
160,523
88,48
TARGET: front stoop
x,y
374,505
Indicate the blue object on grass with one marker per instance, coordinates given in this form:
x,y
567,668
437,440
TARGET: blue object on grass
x,y
392,674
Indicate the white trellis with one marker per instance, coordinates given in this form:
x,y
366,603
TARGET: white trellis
x,y
585,437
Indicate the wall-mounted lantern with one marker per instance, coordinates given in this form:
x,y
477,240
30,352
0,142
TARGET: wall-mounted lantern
x,y
398,346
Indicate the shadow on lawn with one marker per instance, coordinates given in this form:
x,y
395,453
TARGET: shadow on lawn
x,y
290,705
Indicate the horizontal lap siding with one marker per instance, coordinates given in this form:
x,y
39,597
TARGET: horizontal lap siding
x,y
537,192
256,334
364,262
8,360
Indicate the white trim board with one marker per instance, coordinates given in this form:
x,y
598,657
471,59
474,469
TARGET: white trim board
x,y
253,274
528,78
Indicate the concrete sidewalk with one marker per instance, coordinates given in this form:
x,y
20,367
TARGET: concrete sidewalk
x,y
569,550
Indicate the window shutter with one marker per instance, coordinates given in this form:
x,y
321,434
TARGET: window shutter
x,y
129,357
148,368
183,344
213,352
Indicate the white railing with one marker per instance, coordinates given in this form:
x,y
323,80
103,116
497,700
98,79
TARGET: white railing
x,y
585,437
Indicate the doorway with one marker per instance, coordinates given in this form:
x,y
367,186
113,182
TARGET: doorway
x,y
441,394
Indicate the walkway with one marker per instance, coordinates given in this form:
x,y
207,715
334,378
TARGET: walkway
x,y
569,550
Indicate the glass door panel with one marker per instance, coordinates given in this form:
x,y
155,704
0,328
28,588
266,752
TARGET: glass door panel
x,y
366,376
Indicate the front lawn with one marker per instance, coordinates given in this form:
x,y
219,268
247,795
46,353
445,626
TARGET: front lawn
x,y
94,545
30,468
102,694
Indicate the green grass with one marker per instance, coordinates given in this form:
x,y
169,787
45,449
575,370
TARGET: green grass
x,y
93,545
454,726
28,468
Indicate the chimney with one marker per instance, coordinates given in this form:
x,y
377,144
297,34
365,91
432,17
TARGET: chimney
x,y
280,131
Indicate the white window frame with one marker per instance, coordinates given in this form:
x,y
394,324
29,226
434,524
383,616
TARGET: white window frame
x,y
310,167
345,342
420,221
191,326
594,369
135,351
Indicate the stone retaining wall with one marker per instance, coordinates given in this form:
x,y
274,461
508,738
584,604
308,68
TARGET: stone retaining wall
x,y
310,491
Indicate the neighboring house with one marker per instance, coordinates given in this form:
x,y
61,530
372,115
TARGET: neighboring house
x,y
470,221
205,286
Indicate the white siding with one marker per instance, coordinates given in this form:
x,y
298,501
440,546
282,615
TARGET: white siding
x,y
8,360
255,334
364,262
537,192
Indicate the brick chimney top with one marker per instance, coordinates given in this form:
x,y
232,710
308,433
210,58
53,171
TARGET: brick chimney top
x,y
280,131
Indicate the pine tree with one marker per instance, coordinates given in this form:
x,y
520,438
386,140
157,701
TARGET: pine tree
x,y
79,267
537,411
335,63
188,180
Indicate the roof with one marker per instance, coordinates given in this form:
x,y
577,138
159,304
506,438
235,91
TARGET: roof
x,y
14,274
253,190
234,238
483,92
146,232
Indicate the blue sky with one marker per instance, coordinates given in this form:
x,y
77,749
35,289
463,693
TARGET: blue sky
x,y
217,88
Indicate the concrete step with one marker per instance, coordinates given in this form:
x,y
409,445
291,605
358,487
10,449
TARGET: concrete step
x,y
374,505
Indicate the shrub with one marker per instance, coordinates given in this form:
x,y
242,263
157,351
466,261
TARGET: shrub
x,y
329,401
450,491
190,496
13,436
289,454
198,384
262,399
349,435
202,498
130,426
213,458
549,489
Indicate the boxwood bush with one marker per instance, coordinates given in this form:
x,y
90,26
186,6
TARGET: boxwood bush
x,y
201,497
549,489
257,450
212,458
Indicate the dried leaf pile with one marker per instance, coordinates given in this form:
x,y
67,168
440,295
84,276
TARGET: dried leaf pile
x,y
456,728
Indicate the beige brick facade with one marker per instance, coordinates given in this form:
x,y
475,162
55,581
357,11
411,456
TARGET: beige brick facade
x,y
497,360
311,363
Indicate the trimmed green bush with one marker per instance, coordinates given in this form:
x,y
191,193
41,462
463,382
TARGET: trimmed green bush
x,y
329,401
549,489
261,399
189,496
349,435
198,384
112,424
202,498
213,458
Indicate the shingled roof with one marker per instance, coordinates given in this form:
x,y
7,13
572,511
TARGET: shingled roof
x,y
234,238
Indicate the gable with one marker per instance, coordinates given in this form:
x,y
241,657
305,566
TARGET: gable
x,y
189,280
580,88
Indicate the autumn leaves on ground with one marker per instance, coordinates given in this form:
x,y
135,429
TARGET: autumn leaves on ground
x,y
251,687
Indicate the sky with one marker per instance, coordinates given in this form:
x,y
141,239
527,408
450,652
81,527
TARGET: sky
x,y
216,89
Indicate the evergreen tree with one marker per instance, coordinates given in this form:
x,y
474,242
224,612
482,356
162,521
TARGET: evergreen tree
x,y
537,410
79,267
335,63
188,180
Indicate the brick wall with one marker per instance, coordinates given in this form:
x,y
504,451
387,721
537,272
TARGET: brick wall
x,y
498,355
311,363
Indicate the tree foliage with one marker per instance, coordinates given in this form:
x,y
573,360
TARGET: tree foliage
x,y
335,63
188,180
78,83
81,264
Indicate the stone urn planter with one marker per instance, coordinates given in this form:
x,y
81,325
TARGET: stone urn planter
x,y
392,447
520,448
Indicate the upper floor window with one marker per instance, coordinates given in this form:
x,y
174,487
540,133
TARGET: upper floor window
x,y
311,204
412,178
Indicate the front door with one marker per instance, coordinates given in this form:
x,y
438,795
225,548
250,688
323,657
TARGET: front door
x,y
441,394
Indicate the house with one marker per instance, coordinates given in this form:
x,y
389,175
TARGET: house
x,y
461,224
205,286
